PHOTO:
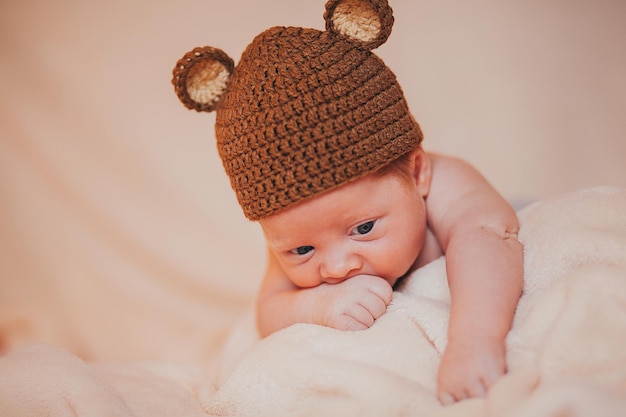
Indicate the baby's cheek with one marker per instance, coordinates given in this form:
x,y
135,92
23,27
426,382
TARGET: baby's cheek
x,y
304,277
390,263
406,255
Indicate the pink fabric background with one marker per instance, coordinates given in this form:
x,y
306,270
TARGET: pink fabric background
x,y
120,238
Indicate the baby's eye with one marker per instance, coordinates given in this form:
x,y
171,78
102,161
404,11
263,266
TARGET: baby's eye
x,y
364,228
302,250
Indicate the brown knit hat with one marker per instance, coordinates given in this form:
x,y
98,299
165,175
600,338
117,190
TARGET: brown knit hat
x,y
305,110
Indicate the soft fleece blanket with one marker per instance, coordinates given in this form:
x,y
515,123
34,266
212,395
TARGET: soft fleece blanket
x,y
566,349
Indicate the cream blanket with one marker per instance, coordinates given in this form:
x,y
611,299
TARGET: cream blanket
x,y
566,350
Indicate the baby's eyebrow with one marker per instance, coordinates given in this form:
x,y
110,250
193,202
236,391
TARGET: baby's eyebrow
x,y
281,240
281,245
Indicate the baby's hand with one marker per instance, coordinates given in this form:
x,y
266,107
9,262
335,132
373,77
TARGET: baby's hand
x,y
353,304
469,367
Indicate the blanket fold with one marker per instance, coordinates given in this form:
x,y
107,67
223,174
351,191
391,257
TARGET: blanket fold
x,y
40,380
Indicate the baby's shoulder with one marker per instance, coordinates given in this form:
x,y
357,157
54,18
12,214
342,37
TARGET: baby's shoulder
x,y
458,189
452,177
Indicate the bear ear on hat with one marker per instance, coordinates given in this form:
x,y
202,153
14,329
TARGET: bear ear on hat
x,y
201,76
368,22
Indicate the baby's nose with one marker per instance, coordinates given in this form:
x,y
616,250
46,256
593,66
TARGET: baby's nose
x,y
339,265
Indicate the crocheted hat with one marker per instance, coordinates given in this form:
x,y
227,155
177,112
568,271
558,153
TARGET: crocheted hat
x,y
304,111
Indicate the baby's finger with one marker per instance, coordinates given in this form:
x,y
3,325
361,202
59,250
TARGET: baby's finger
x,y
350,324
382,289
475,389
445,398
492,375
357,318
375,305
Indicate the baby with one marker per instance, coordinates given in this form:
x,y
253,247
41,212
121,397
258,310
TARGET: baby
x,y
316,136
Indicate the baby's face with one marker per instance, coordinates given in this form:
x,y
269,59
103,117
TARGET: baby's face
x,y
374,226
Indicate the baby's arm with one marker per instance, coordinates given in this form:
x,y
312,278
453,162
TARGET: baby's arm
x,y
477,229
353,304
